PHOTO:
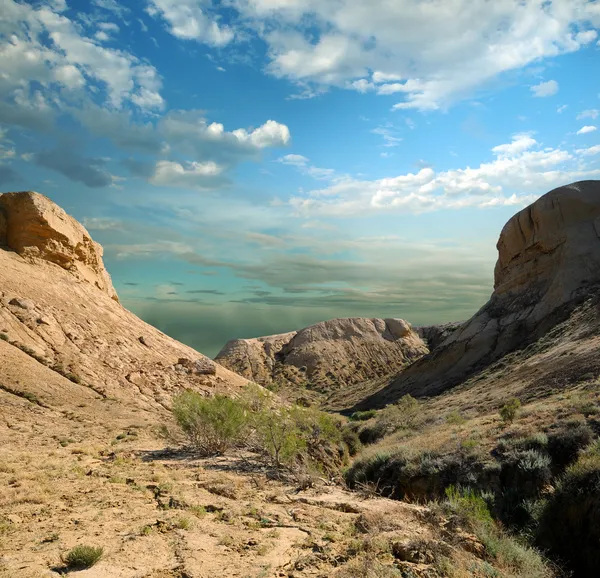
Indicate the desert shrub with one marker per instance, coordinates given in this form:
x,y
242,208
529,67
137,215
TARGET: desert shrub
x,y
404,414
82,557
363,415
566,441
510,410
352,441
569,526
455,418
212,424
409,474
471,511
278,435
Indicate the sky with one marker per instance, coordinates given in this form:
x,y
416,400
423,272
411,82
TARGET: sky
x,y
255,166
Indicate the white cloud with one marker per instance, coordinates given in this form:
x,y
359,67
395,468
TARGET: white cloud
x,y
544,89
303,165
45,45
295,160
562,108
190,132
516,176
586,36
519,144
590,151
432,54
389,139
192,20
591,113
586,129
190,175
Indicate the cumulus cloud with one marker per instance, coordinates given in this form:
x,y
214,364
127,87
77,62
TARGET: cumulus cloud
x,y
431,57
544,89
519,172
586,129
53,48
191,175
192,20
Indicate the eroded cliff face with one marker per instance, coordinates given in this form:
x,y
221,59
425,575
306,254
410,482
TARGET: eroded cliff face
x,y
36,228
548,263
328,355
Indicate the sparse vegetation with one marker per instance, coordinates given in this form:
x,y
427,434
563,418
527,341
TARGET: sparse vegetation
x,y
213,424
82,557
287,436
510,410
363,415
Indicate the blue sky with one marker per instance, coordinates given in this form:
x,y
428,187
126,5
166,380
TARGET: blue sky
x,y
254,166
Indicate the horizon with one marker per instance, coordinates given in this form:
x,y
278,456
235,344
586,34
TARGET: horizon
x,y
257,168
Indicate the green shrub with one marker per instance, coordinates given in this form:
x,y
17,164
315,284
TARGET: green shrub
x,y
363,415
510,410
82,557
508,552
455,418
352,441
212,424
566,441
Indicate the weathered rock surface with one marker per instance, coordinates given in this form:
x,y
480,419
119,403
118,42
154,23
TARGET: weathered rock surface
x,y
36,228
549,262
64,337
328,355
435,335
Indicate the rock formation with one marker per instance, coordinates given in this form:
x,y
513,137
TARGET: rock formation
x,y
435,335
548,263
36,228
328,355
61,323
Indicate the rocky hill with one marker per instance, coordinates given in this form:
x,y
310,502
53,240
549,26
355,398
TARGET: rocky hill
x,y
327,356
85,388
60,318
548,266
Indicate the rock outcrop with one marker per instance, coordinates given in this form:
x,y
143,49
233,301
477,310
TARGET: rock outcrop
x,y
63,335
326,356
36,228
435,335
548,264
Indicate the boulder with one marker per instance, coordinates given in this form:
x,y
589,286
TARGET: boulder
x,y
36,228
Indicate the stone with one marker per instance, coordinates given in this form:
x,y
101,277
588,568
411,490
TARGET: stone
x,y
22,303
36,228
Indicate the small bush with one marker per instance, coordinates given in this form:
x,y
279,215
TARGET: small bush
x,y
455,418
82,557
213,424
363,415
510,410
565,443
351,440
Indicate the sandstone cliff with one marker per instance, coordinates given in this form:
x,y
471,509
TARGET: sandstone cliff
x,y
36,228
548,264
63,334
326,356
